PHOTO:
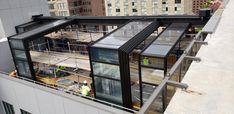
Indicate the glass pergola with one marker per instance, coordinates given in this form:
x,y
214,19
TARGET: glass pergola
x,y
19,45
154,58
109,59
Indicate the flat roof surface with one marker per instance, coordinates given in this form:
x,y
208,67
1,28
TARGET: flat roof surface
x,y
122,35
211,81
166,41
40,29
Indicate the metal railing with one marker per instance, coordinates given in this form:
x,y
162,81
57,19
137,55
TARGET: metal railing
x,y
72,93
198,39
166,81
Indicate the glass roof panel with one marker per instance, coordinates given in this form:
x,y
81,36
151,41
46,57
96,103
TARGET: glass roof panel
x,y
122,35
40,29
163,44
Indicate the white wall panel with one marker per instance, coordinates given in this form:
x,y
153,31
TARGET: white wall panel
x,y
26,98
4,4
58,104
14,4
45,102
38,100
16,12
73,107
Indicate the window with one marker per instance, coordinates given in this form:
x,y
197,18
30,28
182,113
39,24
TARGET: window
x,y
153,62
177,1
61,5
51,6
52,14
132,3
134,10
109,4
117,10
19,54
109,90
175,8
17,44
24,112
104,55
106,70
23,68
8,108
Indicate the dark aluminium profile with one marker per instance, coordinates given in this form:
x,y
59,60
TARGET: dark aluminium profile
x,y
122,49
124,52
19,46
170,38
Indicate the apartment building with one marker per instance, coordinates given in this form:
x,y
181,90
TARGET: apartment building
x,y
197,4
76,7
63,7
147,7
92,8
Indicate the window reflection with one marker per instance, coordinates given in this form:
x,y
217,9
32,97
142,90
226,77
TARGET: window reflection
x,y
23,68
106,70
17,44
109,90
152,62
104,55
19,54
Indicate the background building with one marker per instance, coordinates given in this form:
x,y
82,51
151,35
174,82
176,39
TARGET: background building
x,y
197,4
147,7
63,7
92,8
76,7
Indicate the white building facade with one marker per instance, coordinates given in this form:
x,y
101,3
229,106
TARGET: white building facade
x,y
148,7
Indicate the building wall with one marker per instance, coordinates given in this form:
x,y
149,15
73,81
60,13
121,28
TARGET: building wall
x,y
147,7
92,8
38,99
197,4
15,12
82,7
62,7
6,62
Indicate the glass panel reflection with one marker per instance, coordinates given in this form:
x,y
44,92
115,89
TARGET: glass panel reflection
x,y
122,35
105,55
108,90
152,62
18,44
19,54
23,68
107,70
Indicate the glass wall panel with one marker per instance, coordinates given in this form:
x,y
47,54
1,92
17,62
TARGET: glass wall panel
x,y
109,90
152,62
105,55
19,54
152,76
23,68
106,70
17,44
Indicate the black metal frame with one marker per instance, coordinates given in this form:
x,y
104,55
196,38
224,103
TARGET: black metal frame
x,y
123,51
164,93
26,50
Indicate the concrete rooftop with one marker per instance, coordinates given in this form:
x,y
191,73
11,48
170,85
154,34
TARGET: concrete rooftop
x,y
211,81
